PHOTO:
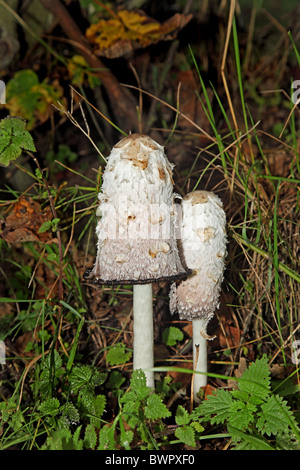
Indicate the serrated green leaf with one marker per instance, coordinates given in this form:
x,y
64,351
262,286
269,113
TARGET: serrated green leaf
x,y
186,434
49,406
139,385
100,403
155,408
80,376
241,414
63,439
256,379
57,361
86,400
107,438
275,417
197,426
131,409
126,438
51,371
182,416
216,407
13,139
117,355
90,437
71,413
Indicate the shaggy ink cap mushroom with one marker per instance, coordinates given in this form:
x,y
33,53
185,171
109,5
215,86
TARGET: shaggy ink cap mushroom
x,y
202,245
137,229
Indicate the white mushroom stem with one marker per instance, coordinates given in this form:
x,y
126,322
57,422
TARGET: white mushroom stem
x,y
143,355
199,357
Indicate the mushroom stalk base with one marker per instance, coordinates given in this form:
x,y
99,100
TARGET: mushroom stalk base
x,y
200,363
143,354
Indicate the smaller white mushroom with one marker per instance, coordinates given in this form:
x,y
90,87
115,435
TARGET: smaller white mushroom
x,y
202,246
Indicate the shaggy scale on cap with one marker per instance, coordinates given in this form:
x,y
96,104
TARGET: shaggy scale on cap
x,y
136,231
202,247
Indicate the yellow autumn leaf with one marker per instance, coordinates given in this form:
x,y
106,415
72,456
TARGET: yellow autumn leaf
x,y
129,30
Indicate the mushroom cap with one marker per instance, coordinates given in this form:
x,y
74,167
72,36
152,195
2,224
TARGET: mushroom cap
x,y
137,229
203,249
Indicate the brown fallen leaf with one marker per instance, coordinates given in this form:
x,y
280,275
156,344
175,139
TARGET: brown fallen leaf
x,y
24,221
129,30
182,377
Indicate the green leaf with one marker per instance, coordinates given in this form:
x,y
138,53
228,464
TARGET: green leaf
x,y
182,416
45,226
115,380
29,98
107,438
217,406
49,406
85,375
171,335
256,379
63,439
139,385
99,404
131,409
155,408
57,361
13,139
79,377
197,426
71,413
51,371
90,437
275,417
186,434
126,438
249,441
117,355
241,414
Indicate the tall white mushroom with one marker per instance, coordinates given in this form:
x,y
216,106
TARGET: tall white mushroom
x,y
137,233
202,245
